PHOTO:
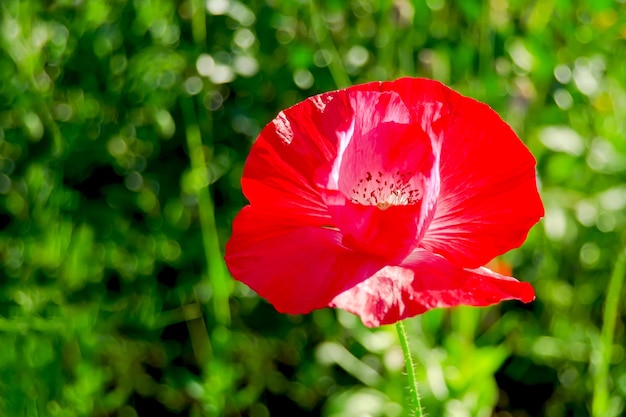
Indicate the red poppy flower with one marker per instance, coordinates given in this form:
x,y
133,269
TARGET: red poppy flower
x,y
384,199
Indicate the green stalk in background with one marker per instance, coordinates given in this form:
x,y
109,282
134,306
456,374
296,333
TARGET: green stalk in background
x,y
198,22
324,40
216,269
215,264
210,349
602,356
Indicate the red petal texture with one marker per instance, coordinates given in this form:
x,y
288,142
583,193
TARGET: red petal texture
x,y
423,282
384,199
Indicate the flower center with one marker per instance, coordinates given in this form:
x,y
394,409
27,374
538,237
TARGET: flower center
x,y
384,189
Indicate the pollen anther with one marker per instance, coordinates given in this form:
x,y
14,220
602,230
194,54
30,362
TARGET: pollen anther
x,y
393,189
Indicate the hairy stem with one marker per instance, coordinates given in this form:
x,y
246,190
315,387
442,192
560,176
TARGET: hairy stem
x,y
414,396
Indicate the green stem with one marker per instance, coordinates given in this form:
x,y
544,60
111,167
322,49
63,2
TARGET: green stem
x,y
600,403
414,396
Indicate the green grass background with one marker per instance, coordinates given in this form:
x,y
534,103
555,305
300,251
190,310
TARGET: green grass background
x,y
124,126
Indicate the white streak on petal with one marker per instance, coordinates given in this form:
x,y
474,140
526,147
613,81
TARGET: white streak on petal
x,y
283,128
344,139
320,103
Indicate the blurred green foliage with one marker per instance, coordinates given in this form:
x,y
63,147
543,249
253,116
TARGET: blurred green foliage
x,y
124,126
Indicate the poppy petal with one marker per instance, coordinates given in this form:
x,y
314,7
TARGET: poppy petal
x,y
425,281
281,169
488,199
297,269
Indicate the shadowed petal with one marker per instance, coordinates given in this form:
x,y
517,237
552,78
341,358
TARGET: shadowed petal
x,y
423,282
389,234
297,269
